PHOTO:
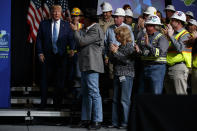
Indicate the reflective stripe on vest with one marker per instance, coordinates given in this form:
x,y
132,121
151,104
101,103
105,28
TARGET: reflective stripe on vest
x,y
175,57
156,55
161,59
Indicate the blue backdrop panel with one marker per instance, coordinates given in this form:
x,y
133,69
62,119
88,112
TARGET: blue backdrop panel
x,y
5,24
186,5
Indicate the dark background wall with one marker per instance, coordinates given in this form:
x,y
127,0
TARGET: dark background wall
x,y
22,70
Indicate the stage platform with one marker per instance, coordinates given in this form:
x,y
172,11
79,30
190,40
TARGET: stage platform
x,y
25,109
48,128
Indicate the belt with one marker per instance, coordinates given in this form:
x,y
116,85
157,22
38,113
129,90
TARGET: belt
x,y
176,64
179,63
152,63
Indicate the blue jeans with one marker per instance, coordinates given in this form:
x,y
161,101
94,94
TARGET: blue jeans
x,y
121,101
151,79
91,99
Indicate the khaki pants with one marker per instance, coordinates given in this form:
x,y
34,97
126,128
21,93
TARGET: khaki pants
x,y
194,81
176,79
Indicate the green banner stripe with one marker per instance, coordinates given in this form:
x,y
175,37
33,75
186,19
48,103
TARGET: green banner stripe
x,y
4,49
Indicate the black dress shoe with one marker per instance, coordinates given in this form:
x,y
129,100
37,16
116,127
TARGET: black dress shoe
x,y
112,126
122,127
94,126
82,124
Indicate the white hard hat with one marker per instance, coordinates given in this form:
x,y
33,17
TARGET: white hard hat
x,y
170,7
119,12
190,14
193,22
153,20
179,15
128,12
150,10
106,7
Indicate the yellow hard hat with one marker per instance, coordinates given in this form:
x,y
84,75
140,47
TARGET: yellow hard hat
x,y
76,11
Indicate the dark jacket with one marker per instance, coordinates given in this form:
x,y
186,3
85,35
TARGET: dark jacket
x,y
44,38
123,60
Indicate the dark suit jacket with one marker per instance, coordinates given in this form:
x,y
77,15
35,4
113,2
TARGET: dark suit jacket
x,y
44,38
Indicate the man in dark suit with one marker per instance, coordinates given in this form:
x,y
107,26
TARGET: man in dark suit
x,y
53,37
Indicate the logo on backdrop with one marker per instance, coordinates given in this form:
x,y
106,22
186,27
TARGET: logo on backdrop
x,y
188,2
4,44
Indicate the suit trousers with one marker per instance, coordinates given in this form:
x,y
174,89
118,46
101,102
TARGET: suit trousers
x,y
53,72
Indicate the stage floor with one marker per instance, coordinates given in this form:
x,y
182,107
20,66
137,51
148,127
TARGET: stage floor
x,y
47,128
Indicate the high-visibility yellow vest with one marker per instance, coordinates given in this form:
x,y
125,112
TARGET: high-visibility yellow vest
x,y
194,57
133,26
194,62
174,57
80,26
155,57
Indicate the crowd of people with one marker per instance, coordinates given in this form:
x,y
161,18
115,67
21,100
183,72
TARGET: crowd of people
x,y
153,54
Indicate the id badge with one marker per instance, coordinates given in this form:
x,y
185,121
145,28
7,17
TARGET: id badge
x,y
122,78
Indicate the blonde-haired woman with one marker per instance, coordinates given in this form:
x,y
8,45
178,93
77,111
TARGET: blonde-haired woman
x,y
121,57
